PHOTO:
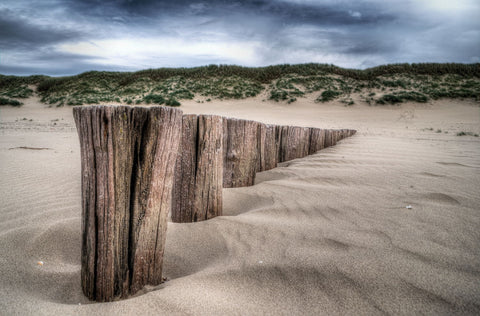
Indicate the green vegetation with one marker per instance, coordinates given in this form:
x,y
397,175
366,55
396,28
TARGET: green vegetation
x,y
172,102
402,96
329,95
466,134
154,98
7,101
389,84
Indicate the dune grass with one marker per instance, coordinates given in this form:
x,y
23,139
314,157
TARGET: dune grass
x,y
8,101
389,84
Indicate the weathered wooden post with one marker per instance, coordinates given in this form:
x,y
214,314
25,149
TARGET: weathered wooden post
x,y
279,132
209,173
240,152
317,140
294,143
128,157
267,149
329,138
183,199
197,193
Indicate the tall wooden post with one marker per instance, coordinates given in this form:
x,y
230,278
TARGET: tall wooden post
x,y
329,138
197,193
185,170
317,140
295,142
278,142
267,148
240,156
209,173
128,157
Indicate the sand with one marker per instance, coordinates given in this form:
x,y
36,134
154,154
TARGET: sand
x,y
328,234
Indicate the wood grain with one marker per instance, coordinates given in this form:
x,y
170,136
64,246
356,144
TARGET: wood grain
x,y
241,152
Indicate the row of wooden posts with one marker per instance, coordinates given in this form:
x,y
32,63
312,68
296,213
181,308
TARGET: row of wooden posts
x,y
141,164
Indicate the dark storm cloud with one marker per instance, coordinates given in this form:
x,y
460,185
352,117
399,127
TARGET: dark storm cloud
x,y
71,36
285,12
21,34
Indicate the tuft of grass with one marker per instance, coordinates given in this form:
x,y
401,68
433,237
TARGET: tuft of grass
x,y
462,133
278,95
21,92
172,102
402,96
154,98
7,101
328,95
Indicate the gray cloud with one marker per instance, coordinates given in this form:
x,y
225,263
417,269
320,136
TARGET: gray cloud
x,y
68,37
19,33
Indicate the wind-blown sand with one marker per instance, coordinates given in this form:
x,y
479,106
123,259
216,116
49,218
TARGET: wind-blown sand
x,y
326,234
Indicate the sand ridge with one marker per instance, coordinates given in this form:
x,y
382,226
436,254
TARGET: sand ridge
x,y
328,234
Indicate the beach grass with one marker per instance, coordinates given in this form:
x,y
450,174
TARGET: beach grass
x,y
383,85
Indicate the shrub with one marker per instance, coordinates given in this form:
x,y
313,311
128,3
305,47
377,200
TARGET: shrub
x,y
278,95
329,95
462,133
154,98
7,101
389,99
172,102
401,97
17,92
412,96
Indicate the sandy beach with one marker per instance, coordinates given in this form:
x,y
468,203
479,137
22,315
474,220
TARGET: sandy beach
x,y
328,234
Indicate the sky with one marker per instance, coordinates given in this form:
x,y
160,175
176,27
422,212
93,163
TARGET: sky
x,y
67,37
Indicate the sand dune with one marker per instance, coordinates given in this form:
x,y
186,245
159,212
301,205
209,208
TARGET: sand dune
x,y
328,234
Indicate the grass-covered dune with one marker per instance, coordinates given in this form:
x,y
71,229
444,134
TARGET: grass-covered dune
x,y
389,84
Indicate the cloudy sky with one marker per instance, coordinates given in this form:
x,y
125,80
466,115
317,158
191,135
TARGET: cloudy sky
x,y
65,37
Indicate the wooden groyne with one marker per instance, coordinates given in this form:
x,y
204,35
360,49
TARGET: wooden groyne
x,y
141,164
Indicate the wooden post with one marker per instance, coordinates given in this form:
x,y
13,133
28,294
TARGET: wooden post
x,y
295,142
330,138
197,194
278,142
128,157
261,147
267,148
209,173
283,144
317,140
240,160
185,169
